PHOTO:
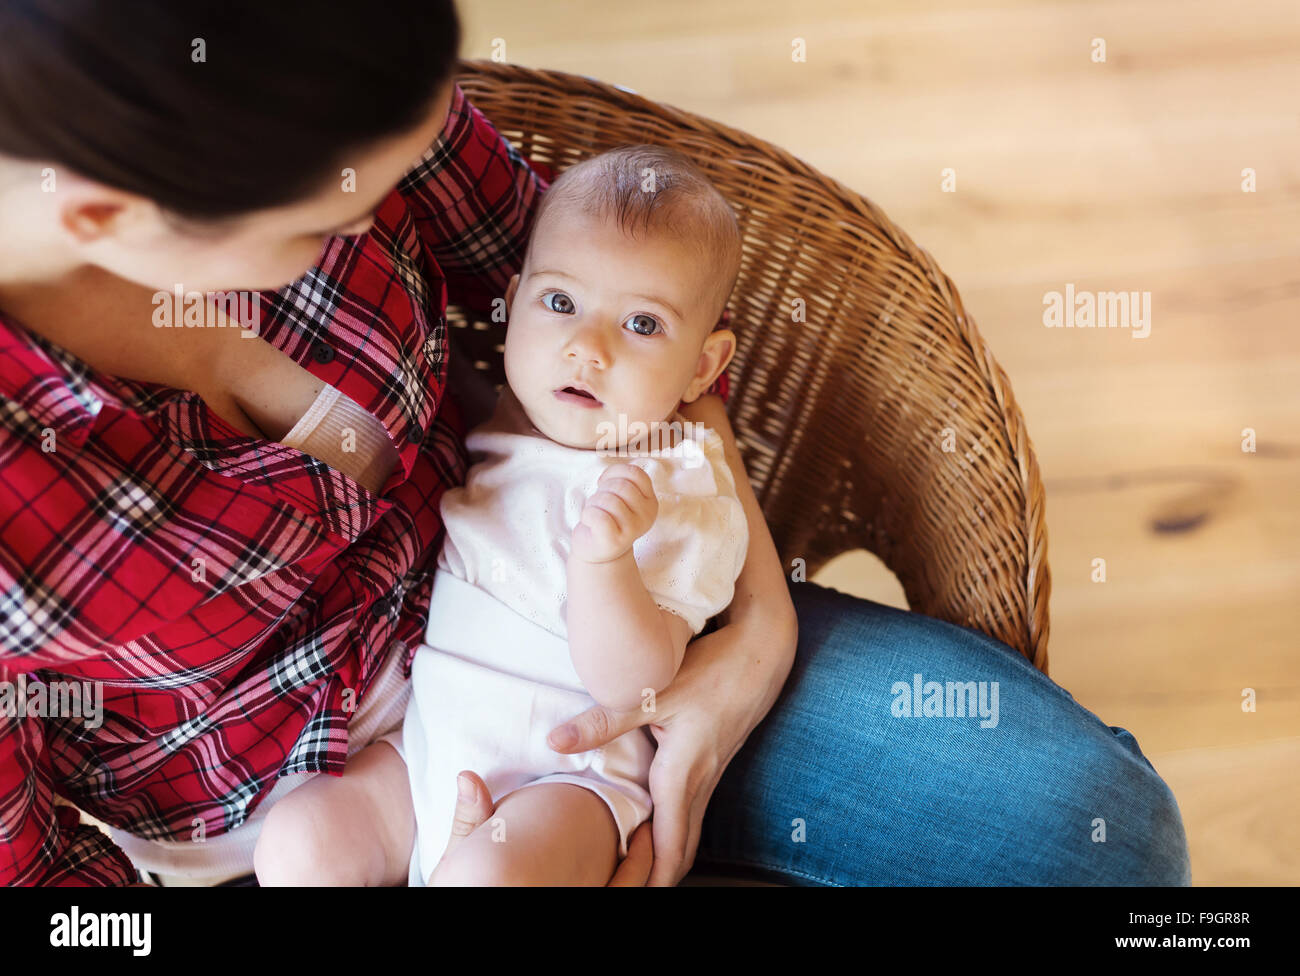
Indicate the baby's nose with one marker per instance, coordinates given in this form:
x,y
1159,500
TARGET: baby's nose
x,y
588,347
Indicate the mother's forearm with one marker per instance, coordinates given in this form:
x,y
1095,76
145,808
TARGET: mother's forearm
x,y
762,597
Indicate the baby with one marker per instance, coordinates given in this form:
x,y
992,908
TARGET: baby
x,y
596,534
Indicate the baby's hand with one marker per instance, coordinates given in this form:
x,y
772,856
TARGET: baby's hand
x,y
621,511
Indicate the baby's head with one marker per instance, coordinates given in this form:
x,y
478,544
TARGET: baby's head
x,y
632,258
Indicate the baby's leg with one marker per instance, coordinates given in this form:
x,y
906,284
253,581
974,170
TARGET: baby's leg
x,y
547,833
357,829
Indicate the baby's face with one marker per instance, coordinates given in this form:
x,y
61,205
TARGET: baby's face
x,y
626,318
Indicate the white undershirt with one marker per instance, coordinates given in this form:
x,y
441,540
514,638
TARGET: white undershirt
x,y
338,431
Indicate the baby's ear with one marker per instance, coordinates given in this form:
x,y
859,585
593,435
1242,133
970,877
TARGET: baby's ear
x,y
720,346
716,354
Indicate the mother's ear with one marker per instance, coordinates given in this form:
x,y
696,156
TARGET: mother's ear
x,y
89,213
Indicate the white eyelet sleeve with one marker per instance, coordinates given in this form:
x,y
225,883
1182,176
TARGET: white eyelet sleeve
x,y
690,558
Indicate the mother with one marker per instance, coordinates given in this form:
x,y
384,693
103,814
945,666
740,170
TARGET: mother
x,y
249,606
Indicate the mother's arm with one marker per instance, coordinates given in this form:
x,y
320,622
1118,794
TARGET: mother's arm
x,y
474,197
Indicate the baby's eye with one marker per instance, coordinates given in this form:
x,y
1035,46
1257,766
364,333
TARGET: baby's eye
x,y
565,306
653,324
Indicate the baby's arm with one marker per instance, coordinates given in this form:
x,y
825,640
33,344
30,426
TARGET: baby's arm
x,y
620,640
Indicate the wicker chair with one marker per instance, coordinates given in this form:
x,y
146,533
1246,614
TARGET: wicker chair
x,y
879,421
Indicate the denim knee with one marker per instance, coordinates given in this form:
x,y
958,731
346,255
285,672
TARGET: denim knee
x,y
1053,794
1136,834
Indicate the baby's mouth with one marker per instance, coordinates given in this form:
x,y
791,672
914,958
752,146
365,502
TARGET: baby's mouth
x,y
576,396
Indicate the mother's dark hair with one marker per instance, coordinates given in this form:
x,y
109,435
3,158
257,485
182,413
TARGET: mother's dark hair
x,y
287,91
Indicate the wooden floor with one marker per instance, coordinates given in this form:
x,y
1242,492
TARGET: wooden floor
x,y
1122,175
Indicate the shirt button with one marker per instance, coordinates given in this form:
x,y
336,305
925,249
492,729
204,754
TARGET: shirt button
x,y
322,352
415,433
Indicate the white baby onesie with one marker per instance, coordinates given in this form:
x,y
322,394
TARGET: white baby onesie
x,y
494,674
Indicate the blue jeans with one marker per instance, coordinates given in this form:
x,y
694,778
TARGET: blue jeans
x,y
842,783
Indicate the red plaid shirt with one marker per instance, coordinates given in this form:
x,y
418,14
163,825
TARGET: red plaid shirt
x,y
235,597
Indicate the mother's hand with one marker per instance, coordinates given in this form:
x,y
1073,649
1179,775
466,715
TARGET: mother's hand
x,y
728,681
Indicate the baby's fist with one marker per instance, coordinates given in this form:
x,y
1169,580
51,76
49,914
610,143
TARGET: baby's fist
x,y
623,509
